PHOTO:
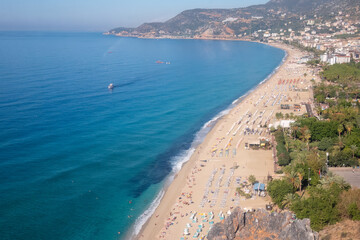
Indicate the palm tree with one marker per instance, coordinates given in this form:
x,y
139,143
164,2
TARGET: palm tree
x,y
295,128
286,141
354,148
301,177
331,179
297,183
292,176
340,129
349,126
305,135
288,199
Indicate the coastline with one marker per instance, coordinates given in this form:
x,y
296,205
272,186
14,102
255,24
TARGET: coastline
x,y
178,181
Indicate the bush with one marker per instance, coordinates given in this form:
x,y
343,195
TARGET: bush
x,y
354,212
282,153
242,193
320,98
277,190
283,158
319,207
349,204
315,178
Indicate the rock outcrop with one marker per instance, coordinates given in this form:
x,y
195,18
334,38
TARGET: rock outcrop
x,y
263,225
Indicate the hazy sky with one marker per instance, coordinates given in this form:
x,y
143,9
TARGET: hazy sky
x,y
98,15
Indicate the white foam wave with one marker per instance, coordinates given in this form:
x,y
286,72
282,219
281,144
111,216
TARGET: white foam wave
x,y
178,162
141,220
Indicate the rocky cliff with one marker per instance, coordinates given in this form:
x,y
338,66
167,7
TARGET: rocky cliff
x,y
262,224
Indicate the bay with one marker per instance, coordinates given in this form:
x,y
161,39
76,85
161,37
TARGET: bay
x,y
78,161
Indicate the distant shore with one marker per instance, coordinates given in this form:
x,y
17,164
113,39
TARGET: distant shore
x,y
185,38
185,195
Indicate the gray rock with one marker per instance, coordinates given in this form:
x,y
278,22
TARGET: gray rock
x,y
262,225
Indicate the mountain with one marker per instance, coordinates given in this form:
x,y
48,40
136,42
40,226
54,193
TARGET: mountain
x,y
312,6
275,16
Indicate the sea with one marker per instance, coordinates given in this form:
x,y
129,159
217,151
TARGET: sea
x,y
80,161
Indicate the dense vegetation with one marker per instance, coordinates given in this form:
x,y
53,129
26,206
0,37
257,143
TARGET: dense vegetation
x,y
312,144
342,73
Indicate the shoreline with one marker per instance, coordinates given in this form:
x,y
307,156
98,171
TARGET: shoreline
x,y
176,181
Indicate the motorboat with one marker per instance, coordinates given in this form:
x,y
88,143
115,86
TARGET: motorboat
x,y
111,86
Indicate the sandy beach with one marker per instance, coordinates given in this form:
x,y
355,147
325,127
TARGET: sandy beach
x,y
204,191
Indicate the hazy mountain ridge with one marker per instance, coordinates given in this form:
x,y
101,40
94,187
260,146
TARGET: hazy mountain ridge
x,y
240,22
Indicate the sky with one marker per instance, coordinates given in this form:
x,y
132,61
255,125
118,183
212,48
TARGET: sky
x,y
97,15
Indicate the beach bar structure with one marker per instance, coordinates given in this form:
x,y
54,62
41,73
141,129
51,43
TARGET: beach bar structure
x,y
264,142
257,143
254,144
297,107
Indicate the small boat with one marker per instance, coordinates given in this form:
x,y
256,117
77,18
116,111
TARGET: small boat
x,y
111,86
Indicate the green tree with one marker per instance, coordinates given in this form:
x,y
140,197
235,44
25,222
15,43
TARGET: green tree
x,y
353,139
252,179
342,158
326,143
315,161
279,115
354,149
323,129
278,189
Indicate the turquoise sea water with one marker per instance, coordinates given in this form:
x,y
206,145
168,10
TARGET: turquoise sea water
x,y
78,161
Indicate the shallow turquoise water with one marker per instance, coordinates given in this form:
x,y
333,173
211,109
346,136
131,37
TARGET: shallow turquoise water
x,y
78,161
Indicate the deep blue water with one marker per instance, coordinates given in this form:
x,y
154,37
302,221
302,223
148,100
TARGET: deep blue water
x,y
73,154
